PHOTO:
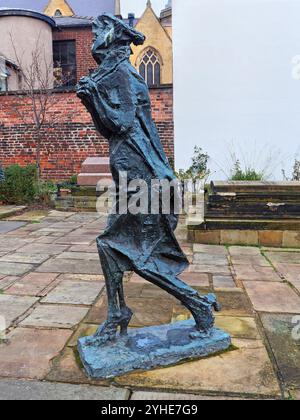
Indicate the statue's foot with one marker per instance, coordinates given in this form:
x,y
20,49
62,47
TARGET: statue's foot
x,y
202,310
107,332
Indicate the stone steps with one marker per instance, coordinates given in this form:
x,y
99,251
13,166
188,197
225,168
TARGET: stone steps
x,y
93,171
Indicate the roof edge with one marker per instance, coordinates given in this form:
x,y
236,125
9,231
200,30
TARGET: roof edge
x,y
5,11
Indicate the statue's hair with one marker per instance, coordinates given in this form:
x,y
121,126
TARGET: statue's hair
x,y
121,29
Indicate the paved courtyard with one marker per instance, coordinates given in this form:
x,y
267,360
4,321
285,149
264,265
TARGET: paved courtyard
x,y
52,292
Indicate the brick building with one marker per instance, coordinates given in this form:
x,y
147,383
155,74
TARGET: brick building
x,y
70,137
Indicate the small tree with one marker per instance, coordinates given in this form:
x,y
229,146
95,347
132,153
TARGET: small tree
x,y
37,98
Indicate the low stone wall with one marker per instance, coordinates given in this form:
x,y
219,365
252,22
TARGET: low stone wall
x,y
71,137
265,238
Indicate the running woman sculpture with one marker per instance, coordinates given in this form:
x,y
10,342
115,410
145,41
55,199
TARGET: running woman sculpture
x,y
117,97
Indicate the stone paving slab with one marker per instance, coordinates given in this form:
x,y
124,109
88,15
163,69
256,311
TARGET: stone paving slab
x,y
7,211
284,338
55,316
256,273
6,227
210,259
31,216
76,240
28,352
273,297
14,269
250,260
47,391
25,258
32,284
39,248
284,257
195,279
223,282
244,250
57,265
82,277
296,395
210,269
12,307
291,272
67,367
247,370
87,256
75,293
210,249
8,281
165,396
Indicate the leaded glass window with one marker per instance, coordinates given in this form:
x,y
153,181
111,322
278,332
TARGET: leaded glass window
x,y
150,67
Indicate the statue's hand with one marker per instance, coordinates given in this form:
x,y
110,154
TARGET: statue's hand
x,y
84,86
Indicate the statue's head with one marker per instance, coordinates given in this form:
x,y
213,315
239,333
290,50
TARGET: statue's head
x,y
110,31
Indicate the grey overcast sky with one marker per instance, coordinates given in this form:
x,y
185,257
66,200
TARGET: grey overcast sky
x,y
138,6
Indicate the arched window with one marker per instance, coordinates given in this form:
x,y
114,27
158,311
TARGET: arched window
x,y
58,13
150,67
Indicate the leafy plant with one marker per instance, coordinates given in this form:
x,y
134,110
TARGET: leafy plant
x,y
246,174
198,169
19,184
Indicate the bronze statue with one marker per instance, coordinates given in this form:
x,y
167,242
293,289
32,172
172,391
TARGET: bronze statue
x,y
117,97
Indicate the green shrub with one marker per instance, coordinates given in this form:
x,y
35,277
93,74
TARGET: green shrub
x,y
246,174
19,185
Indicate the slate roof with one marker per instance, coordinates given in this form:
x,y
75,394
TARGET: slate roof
x,y
90,8
73,21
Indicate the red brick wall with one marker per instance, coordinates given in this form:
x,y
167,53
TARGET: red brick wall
x,y
71,138
83,38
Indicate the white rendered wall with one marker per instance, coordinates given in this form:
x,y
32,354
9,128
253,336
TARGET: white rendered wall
x,y
237,81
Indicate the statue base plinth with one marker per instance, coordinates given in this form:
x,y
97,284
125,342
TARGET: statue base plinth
x,y
149,348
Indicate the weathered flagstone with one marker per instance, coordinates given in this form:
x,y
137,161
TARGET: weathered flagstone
x,y
147,291
284,257
88,256
210,269
247,370
195,279
15,269
8,281
82,277
67,367
55,316
6,227
210,259
165,396
291,272
272,297
75,293
32,284
244,250
84,248
223,282
150,312
12,307
210,249
57,265
39,248
83,330
76,239
25,258
28,352
7,211
256,273
256,260
234,303
47,391
31,216
283,332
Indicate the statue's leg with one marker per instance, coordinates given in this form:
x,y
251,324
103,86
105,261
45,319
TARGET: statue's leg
x,y
118,313
201,307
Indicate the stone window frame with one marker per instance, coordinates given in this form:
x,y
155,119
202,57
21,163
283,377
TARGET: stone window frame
x,y
140,60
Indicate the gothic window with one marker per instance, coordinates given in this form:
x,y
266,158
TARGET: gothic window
x,y
150,67
58,13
